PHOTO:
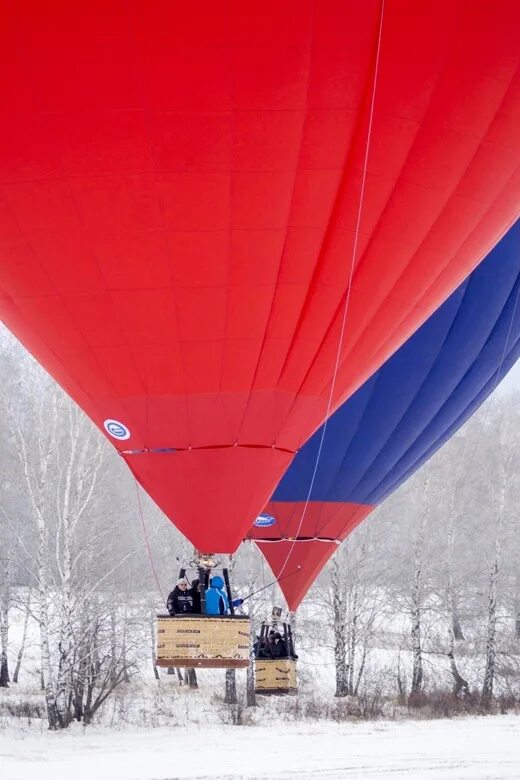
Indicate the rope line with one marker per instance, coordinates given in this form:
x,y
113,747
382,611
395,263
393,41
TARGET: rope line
x,y
147,543
349,286
264,589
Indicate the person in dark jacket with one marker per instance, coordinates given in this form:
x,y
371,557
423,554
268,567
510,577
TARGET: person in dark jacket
x,y
180,600
195,594
260,649
277,647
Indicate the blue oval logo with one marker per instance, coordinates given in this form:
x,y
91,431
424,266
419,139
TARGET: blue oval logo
x,y
117,430
264,521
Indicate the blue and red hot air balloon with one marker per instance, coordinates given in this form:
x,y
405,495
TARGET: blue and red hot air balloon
x,y
395,421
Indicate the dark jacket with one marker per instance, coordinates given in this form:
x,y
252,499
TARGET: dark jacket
x,y
260,649
179,602
277,648
263,651
195,594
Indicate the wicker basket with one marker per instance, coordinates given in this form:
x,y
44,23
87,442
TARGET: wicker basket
x,y
275,676
202,641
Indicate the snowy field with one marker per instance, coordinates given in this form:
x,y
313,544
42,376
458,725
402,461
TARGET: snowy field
x,y
150,731
467,748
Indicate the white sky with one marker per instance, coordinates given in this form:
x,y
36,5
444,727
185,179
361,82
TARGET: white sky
x,y
512,380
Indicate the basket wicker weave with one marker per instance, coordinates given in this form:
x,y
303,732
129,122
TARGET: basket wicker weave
x,y
275,676
203,641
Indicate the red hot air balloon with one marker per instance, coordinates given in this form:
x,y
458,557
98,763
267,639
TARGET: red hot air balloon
x,y
218,219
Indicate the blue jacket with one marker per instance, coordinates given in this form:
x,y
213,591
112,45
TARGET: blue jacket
x,y
216,600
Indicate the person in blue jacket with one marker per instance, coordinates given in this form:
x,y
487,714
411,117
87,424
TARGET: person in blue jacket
x,y
217,602
216,599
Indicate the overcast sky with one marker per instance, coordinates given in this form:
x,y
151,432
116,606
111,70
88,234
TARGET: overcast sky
x,y
512,380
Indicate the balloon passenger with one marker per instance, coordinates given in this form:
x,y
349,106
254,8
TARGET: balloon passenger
x,y
277,647
180,600
260,648
217,602
216,599
195,594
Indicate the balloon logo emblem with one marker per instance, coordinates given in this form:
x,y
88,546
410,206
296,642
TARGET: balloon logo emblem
x,y
264,521
117,430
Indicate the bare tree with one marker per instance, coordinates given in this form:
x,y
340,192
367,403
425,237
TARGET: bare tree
x,y
98,670
417,594
451,599
152,642
504,474
35,472
339,616
231,687
5,606
19,657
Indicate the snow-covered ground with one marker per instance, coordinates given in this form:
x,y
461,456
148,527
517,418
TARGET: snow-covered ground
x,y
467,748
151,730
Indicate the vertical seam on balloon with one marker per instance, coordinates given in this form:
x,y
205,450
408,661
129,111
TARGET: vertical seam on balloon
x,y
225,341
159,184
471,232
109,297
312,285
351,270
440,409
338,309
423,384
69,381
376,490
60,297
493,381
467,237
68,181
462,418
391,433
374,379
440,216
411,259
356,518
282,253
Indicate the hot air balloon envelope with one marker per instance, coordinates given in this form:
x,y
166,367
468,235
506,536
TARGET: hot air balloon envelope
x,y
396,421
196,197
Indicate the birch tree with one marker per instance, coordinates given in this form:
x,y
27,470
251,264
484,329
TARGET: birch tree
x,y
35,463
21,649
338,609
5,607
78,467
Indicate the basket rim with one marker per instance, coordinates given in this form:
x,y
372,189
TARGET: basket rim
x,y
203,663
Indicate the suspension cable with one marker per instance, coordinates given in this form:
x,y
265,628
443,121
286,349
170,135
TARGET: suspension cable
x,y
147,542
349,286
264,588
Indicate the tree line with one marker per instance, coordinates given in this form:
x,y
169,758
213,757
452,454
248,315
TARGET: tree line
x,y
423,596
